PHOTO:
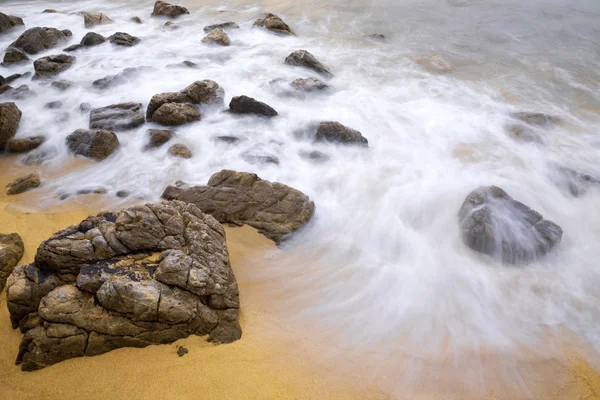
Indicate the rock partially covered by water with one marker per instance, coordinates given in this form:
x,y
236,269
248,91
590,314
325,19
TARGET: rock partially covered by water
x,y
117,117
276,210
335,132
248,105
14,56
52,65
576,182
223,26
168,10
92,39
92,19
10,116
199,92
274,23
535,118
96,144
11,251
93,288
158,137
433,63
180,150
302,58
22,145
173,114
217,36
35,40
123,39
493,223
23,184
7,22
309,84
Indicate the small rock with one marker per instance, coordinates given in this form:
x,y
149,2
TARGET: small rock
x,y
52,65
49,11
7,22
35,40
184,64
61,85
227,139
181,351
248,105
309,84
92,39
303,58
117,117
123,39
10,116
92,19
273,23
334,132
315,156
23,184
53,104
137,20
98,144
217,36
85,107
222,26
180,150
168,10
170,25
14,56
537,119
524,133
577,182
158,137
259,159
11,251
434,63
172,114
22,145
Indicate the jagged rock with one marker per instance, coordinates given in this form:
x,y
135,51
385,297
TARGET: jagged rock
x,y
537,119
23,184
252,157
158,137
35,40
273,23
92,19
172,114
248,105
11,251
52,65
96,144
117,117
334,132
94,291
180,150
14,56
302,58
223,26
168,10
493,223
61,85
199,92
276,210
309,84
217,36
22,145
123,39
137,20
7,22
434,64
10,115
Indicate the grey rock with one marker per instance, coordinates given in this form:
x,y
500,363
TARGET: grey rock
x,y
96,144
252,157
117,117
315,156
309,84
534,118
303,58
123,39
52,105
11,251
223,26
227,139
248,105
164,9
52,65
274,23
23,184
578,183
334,132
137,20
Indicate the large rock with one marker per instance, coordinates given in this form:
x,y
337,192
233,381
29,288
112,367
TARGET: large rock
x,y
11,251
200,92
117,117
276,210
273,23
22,145
223,26
248,105
334,132
168,10
92,19
23,184
10,115
7,22
123,39
493,223
14,56
302,58
52,65
172,114
91,289
35,40
96,144
217,36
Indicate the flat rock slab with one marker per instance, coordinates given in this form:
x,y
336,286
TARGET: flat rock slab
x,y
11,251
117,117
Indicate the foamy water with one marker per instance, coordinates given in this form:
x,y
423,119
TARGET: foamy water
x,y
382,264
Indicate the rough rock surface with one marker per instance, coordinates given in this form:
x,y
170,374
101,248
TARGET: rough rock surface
x,y
137,20
92,19
97,144
35,40
158,137
493,223
335,132
10,115
223,26
123,39
172,114
199,92
117,117
276,210
168,10
23,184
180,150
274,23
302,58
52,65
7,22
217,36
22,145
92,39
11,251
248,105
14,56
90,289
309,84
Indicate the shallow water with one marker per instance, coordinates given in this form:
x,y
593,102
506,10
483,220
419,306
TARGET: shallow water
x,y
382,265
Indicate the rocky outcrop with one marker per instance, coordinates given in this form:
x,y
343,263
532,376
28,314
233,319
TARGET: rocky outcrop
x,y
117,117
23,184
11,251
14,56
7,22
274,23
95,287
168,10
123,39
173,114
180,151
52,65
222,26
334,132
493,223
22,145
309,84
200,92
10,115
217,36
302,58
276,210
248,105
35,40
158,137
93,19
97,144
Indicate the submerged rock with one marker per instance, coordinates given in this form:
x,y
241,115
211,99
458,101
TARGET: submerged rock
x,y
118,79
22,145
96,144
7,22
35,40
172,114
14,56
276,210
303,58
534,118
248,105
117,117
158,137
314,156
164,9
11,251
137,20
252,157
309,84
217,36
200,92
180,150
23,184
578,183
52,65
434,63
493,223
223,26
334,132
93,19
524,133
61,85
274,23
10,116
123,39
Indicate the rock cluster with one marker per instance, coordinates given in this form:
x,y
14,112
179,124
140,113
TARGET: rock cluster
x,y
11,251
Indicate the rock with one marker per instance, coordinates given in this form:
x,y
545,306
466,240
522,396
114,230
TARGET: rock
x,y
22,145
217,36
14,77
493,223
5,88
92,39
434,64
276,210
10,115
97,144
537,119
248,105
376,36
123,39
575,181
524,133
158,137
23,184
172,114
181,351
35,40
168,10
49,11
334,132
122,194
309,84
92,296
315,156
185,64
85,107
118,79
222,26
137,20
273,23
52,65
61,85
14,56
117,117
7,22
204,92
52,105
73,48
180,150
11,251
303,58
227,139
21,93
259,159
92,19
170,25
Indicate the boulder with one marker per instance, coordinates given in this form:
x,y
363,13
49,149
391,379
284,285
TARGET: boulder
x,y
52,65
158,137
334,132
11,251
93,287
204,92
10,115
535,118
180,150
276,210
302,58
309,84
273,23
123,39
493,223
96,144
23,184
22,145
14,56
248,105
35,40
434,64
7,22
217,36
92,19
168,10
222,26
117,117
172,114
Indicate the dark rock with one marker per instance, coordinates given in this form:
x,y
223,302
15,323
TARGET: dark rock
x,y
92,19
315,156
35,40
92,39
575,181
22,145
122,194
181,351
52,65
23,184
85,107
185,64
493,223
537,119
137,20
14,77
14,56
7,22
217,36
334,132
73,48
260,159
223,26
309,84
158,137
5,88
303,58
49,11
376,36
172,114
117,117
180,150
61,85
11,251
248,105
168,10
53,105
123,39
276,210
200,92
97,144
170,25
273,23
228,139
10,115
